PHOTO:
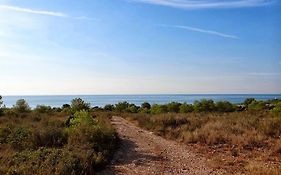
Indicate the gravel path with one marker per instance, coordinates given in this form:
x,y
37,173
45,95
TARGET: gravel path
x,y
141,152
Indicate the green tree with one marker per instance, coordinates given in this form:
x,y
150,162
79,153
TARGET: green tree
x,y
78,104
21,106
185,108
224,106
204,106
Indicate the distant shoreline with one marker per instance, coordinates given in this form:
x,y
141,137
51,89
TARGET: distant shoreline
x,y
102,100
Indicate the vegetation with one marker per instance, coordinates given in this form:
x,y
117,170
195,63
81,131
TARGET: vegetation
x,y
21,106
1,107
45,141
222,132
78,139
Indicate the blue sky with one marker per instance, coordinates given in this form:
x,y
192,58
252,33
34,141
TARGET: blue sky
x,y
139,46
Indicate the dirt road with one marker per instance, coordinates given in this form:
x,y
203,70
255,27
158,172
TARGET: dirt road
x,y
143,153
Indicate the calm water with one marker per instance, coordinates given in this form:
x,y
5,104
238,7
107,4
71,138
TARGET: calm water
x,y
101,100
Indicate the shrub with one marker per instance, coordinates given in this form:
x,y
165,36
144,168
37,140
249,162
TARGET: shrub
x,y
20,138
66,106
108,107
80,118
21,106
145,105
78,104
50,136
249,101
43,109
224,106
204,106
4,134
185,108
173,107
132,108
257,106
158,109
121,106
277,110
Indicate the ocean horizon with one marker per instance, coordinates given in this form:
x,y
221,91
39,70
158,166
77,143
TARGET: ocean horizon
x,y
101,100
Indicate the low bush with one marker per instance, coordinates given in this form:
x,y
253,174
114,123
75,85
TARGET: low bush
x,y
224,106
277,110
50,146
43,109
158,109
186,108
257,106
204,106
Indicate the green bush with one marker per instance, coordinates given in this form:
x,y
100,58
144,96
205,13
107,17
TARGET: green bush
x,y
109,107
277,109
173,107
132,108
249,101
145,105
121,106
204,106
21,106
224,106
78,104
257,106
158,109
80,118
185,108
43,109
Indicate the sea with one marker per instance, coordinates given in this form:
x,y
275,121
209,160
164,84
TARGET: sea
x,y
102,100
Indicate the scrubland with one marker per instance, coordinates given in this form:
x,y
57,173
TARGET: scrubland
x,y
46,141
240,142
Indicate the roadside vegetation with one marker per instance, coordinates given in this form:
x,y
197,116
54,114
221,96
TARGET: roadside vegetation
x,y
241,138
45,140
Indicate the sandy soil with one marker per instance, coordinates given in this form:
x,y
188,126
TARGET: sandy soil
x,y
142,152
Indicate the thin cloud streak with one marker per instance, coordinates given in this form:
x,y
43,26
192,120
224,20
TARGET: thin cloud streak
x,y
38,12
194,29
205,4
44,12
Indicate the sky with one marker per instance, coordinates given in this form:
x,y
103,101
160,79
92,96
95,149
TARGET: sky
x,y
69,47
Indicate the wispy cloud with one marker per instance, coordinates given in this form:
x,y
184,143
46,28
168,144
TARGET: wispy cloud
x,y
44,12
194,29
204,4
26,10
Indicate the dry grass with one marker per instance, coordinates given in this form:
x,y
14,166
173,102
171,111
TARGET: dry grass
x,y
232,137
